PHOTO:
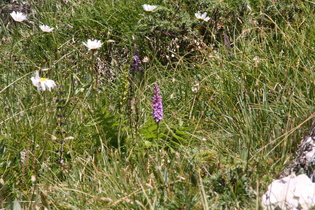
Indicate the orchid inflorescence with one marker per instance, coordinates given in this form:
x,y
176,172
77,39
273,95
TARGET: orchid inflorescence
x,y
157,104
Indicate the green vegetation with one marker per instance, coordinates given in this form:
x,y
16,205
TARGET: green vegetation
x,y
238,95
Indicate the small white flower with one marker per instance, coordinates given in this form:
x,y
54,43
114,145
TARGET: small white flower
x,y
256,59
149,8
146,59
42,83
23,156
195,88
46,28
18,16
202,16
93,44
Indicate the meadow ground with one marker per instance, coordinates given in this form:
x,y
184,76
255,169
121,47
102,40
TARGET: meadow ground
x,y
237,92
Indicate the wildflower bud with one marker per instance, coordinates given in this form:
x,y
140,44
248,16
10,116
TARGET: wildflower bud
x,y
136,64
33,178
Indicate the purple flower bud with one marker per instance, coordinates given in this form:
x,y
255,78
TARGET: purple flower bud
x,y
136,64
157,104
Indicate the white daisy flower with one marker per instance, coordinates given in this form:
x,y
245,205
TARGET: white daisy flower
x,y
93,44
149,8
42,83
202,16
46,28
18,16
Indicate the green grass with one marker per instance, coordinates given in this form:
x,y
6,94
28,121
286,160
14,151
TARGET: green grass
x,y
217,148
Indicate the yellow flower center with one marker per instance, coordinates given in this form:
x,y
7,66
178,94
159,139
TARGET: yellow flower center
x,y
42,79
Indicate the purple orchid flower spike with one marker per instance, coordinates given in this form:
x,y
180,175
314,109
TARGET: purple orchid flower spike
x,y
157,104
